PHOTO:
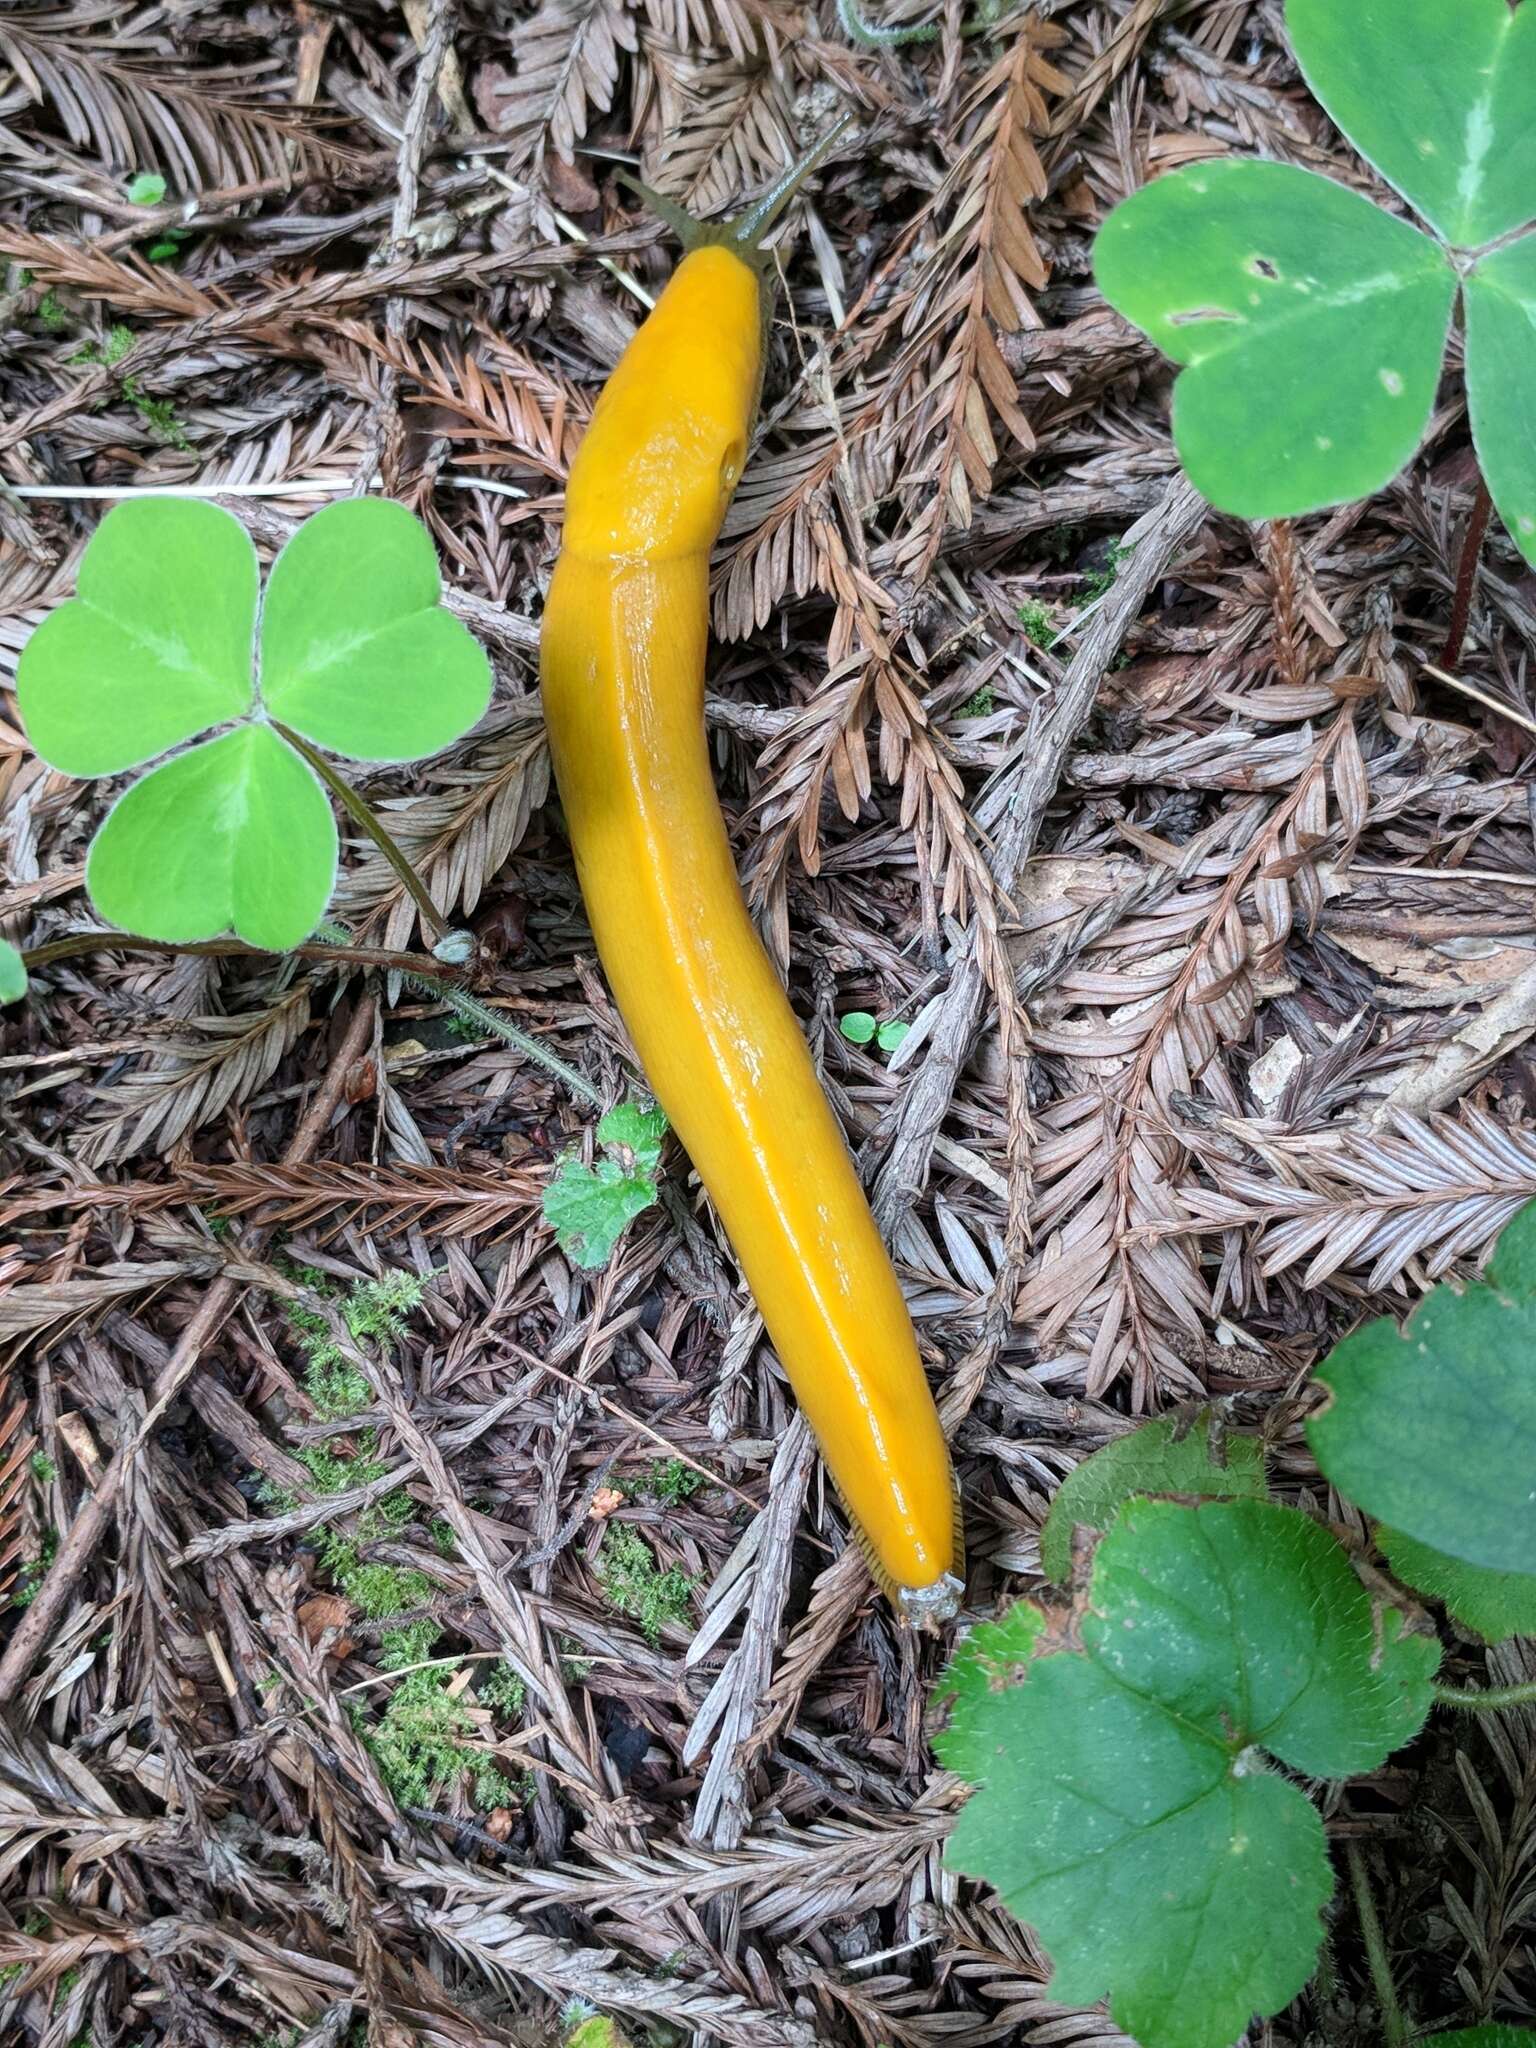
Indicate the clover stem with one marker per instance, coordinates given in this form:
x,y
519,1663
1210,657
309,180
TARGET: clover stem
x,y
490,1021
78,943
1393,2026
362,813
1490,1700
1466,574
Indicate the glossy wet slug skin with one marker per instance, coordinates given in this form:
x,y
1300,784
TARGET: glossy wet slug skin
x,y
622,663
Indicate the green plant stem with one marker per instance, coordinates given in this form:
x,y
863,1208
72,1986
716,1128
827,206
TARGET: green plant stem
x,y
79,943
1394,2027
490,1021
1489,1700
362,813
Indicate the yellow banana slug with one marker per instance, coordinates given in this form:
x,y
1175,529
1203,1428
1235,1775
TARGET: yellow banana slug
x,y
622,664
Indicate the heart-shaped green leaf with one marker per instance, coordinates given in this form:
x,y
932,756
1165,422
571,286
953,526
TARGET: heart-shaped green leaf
x,y
154,648
1312,323
1429,1427
356,653
1126,1810
1440,95
13,973
1171,1455
1500,300
1493,1605
235,835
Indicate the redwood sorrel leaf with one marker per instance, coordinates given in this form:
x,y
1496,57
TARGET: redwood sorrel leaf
x,y
153,649
1438,95
234,835
1500,302
357,654
1311,324
1126,1808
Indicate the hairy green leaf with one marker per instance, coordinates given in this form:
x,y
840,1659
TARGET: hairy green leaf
x,y
591,1207
1430,1425
234,835
1438,95
1173,1455
356,652
1500,301
1493,1605
154,648
1126,1810
1311,323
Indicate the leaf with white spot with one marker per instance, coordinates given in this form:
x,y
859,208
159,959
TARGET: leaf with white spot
x,y
1312,326
1440,95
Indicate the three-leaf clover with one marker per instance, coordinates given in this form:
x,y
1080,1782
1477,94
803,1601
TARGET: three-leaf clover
x,y
1430,1425
1127,1809
1311,324
162,644
591,1207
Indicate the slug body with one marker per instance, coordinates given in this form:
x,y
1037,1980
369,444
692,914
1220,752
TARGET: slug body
x,y
622,664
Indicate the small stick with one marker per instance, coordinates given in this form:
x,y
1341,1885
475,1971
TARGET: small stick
x,y
1466,574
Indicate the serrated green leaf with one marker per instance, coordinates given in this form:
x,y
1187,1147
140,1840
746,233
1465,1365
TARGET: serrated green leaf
x,y
1125,1810
592,1207
1438,95
154,648
1493,1605
146,188
1189,1456
635,1135
1500,302
858,1027
1429,1426
1312,325
13,973
356,653
234,835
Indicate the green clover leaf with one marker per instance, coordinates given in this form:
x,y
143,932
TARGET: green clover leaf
x,y
1126,1808
233,835
161,644
13,973
1438,97
1462,1487
1311,324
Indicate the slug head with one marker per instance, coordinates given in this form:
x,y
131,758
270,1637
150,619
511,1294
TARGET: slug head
x,y
668,440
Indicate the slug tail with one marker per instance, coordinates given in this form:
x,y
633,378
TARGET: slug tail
x,y
923,1607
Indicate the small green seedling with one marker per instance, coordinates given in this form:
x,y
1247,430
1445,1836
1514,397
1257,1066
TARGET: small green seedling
x,y
859,1028
146,188
1312,325
591,1207
1121,1733
13,973
162,646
